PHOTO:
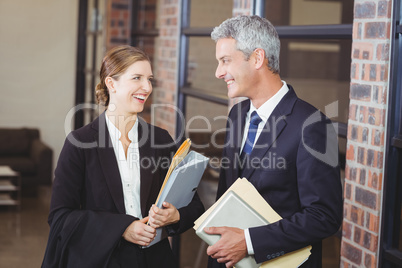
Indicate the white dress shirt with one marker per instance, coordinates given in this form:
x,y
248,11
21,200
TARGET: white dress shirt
x,y
264,112
129,168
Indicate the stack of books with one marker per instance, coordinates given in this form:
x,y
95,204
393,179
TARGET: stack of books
x,y
242,206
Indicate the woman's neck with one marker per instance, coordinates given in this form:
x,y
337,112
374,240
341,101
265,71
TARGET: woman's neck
x,y
123,122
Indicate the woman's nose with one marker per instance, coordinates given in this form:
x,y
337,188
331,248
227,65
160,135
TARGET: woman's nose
x,y
147,86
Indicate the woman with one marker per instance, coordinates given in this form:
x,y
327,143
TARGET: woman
x,y
108,176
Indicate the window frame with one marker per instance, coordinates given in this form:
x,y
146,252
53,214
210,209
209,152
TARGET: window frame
x,y
321,32
389,254
82,70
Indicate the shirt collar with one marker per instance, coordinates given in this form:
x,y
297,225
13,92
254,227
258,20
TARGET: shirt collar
x,y
115,133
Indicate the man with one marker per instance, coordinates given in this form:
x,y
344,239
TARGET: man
x,y
292,160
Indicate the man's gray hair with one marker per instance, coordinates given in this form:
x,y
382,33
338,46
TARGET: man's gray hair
x,y
251,32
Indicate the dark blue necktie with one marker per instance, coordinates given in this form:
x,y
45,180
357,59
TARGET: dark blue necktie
x,y
252,131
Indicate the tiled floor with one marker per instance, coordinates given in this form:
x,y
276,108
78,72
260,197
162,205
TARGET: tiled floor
x,y
23,235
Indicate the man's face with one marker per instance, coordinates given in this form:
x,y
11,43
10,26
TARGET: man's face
x,y
234,68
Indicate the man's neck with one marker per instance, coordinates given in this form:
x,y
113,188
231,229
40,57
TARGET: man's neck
x,y
266,89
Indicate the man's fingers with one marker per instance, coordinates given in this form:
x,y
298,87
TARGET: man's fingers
x,y
214,230
213,251
229,264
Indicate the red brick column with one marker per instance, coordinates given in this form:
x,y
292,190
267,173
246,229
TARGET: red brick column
x,y
365,148
118,23
164,108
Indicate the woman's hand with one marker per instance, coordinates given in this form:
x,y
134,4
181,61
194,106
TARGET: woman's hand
x,y
138,232
159,217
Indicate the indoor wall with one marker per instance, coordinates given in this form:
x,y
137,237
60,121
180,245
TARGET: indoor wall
x,y
37,66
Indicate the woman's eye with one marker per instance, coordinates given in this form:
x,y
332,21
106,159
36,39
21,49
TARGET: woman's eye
x,y
137,78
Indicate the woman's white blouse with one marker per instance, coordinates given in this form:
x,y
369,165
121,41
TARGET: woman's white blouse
x,y
129,168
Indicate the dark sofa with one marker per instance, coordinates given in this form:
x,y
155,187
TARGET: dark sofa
x,y
23,150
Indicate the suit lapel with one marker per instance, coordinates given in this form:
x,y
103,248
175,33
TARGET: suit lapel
x,y
272,129
108,162
236,130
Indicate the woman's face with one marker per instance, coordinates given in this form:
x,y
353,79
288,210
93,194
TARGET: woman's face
x,y
130,91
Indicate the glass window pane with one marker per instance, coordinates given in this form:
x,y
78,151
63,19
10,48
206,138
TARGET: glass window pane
x,y
146,17
206,118
148,45
320,73
210,13
205,125
202,65
301,12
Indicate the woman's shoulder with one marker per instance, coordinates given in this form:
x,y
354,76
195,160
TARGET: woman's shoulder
x,y
87,134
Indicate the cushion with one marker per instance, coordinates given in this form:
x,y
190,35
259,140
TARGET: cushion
x,y
24,165
14,142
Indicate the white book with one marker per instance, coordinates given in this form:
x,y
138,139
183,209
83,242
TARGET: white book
x,y
232,211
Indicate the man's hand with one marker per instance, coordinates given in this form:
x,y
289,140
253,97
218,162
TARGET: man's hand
x,y
138,232
230,248
159,217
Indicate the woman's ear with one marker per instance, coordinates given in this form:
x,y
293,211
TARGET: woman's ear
x,y
259,58
109,82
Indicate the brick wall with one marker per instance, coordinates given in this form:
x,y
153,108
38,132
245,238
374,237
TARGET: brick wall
x,y
118,23
366,127
164,95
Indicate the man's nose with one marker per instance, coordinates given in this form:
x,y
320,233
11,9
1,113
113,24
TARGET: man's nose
x,y
219,73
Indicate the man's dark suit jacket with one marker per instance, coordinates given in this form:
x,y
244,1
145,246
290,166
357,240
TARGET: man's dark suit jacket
x,y
87,214
294,166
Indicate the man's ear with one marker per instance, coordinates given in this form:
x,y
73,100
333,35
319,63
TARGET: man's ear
x,y
109,82
259,58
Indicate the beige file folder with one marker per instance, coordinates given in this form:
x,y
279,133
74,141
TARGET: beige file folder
x,y
247,192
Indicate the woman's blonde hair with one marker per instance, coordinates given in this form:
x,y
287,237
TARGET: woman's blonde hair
x,y
114,64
